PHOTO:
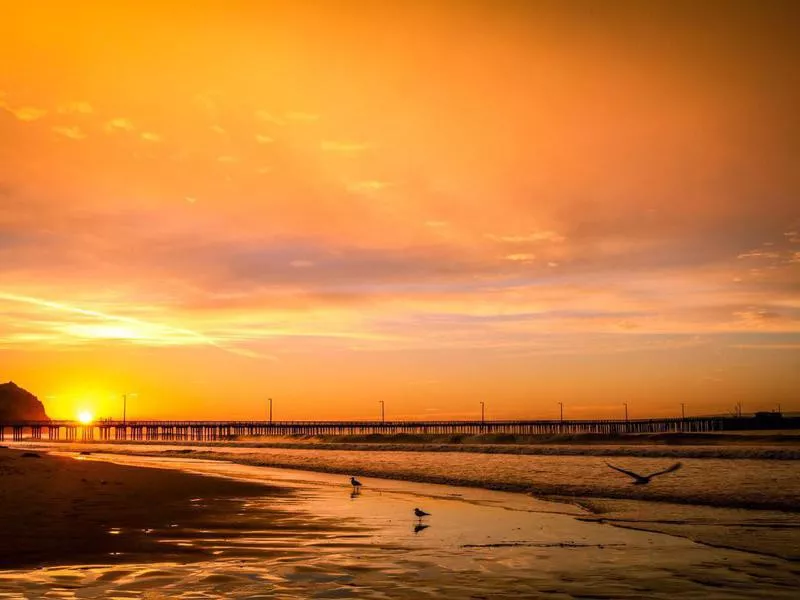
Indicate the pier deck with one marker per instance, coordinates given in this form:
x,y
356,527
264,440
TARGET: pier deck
x,y
110,430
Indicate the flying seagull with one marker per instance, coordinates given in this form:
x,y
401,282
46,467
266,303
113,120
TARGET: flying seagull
x,y
645,479
421,513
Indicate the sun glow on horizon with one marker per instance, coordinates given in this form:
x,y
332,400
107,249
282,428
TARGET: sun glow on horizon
x,y
85,417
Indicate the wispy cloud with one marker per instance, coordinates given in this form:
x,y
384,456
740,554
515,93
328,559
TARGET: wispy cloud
x,y
72,132
118,124
111,326
24,113
102,326
759,254
521,257
757,317
535,236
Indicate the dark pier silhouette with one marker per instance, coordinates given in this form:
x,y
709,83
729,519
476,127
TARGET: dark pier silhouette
x,y
111,430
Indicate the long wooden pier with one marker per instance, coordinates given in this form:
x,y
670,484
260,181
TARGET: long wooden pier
x,y
111,430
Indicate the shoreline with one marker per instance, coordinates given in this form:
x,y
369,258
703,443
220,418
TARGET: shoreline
x,y
585,509
315,538
542,487
609,511
553,493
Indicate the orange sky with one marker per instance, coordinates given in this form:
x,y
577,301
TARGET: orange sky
x,y
427,203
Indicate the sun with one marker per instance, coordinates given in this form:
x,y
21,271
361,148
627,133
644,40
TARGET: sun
x,y
85,417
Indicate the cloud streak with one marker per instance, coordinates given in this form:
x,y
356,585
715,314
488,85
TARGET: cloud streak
x,y
103,326
72,132
24,113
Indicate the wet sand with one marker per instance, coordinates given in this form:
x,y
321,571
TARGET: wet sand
x,y
317,539
62,510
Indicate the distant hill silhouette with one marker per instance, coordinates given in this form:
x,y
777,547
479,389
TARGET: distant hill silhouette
x,y
17,404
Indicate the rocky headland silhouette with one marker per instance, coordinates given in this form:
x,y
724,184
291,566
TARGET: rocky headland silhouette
x,y
18,404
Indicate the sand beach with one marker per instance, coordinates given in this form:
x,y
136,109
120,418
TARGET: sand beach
x,y
59,509
170,525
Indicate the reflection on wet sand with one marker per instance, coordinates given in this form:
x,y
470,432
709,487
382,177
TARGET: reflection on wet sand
x,y
420,527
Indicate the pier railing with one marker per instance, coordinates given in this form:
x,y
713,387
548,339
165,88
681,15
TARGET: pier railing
x,y
151,430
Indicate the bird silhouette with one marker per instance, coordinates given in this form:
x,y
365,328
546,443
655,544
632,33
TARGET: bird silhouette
x,y
421,513
645,479
356,485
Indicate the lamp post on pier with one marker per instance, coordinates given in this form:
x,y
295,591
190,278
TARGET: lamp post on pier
x,y
125,413
561,412
483,413
625,404
383,407
125,406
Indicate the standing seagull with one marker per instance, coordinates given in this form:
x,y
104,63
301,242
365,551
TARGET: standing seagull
x,y
356,485
421,513
645,479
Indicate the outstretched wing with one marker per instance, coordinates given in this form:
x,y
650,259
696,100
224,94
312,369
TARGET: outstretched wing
x,y
674,467
628,473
